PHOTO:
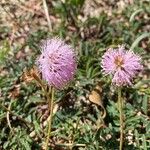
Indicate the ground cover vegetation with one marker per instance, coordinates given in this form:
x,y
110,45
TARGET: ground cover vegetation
x,y
85,112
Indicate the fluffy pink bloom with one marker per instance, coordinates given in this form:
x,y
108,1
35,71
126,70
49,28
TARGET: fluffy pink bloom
x,y
122,64
57,63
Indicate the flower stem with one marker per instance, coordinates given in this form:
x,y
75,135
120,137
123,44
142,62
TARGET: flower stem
x,y
51,103
120,104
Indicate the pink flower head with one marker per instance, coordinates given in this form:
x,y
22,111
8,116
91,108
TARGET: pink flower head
x,y
121,64
57,63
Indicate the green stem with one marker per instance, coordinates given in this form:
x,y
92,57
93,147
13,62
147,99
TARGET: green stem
x,y
120,104
51,103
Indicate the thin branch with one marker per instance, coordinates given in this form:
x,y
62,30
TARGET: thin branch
x,y
70,145
47,15
120,104
51,103
8,120
20,118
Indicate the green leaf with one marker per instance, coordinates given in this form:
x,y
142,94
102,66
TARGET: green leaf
x,y
145,103
141,37
137,139
4,50
144,142
135,13
148,128
25,144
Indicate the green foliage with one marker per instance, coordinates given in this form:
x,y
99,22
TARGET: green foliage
x,y
20,141
4,50
76,120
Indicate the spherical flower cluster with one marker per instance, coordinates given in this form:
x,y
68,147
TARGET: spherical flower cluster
x,y
122,64
57,63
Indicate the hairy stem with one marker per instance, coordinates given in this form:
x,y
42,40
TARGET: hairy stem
x,y
120,104
51,103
